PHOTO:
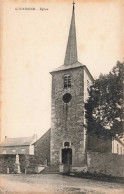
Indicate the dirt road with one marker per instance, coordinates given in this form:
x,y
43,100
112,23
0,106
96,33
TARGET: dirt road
x,y
55,183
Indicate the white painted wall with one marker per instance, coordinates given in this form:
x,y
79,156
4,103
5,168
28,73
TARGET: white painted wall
x,y
31,150
117,147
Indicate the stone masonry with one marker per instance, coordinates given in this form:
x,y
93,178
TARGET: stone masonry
x,y
68,135
68,118
42,149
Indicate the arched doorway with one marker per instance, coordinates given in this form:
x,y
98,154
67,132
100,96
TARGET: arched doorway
x,y
67,156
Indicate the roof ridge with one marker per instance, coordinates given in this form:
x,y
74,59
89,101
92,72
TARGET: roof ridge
x,y
17,137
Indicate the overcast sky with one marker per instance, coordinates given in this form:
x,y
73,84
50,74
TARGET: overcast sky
x,y
34,43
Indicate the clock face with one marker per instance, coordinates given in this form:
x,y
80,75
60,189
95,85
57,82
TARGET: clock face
x,y
67,97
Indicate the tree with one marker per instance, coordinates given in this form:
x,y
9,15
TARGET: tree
x,y
104,108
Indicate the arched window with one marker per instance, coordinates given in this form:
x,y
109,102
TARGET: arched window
x,y
67,81
66,144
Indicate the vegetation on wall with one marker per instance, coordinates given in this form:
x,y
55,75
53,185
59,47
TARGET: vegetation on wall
x,y
104,108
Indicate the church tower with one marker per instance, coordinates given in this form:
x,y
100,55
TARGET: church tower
x,y
70,83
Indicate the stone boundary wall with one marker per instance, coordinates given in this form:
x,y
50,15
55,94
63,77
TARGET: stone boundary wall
x,y
9,161
106,163
98,144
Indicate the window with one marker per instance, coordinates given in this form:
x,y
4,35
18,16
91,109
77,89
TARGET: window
x,y
66,144
67,98
23,150
67,81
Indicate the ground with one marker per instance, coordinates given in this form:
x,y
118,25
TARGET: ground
x,y
55,183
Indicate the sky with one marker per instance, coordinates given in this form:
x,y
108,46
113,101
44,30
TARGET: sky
x,y
34,43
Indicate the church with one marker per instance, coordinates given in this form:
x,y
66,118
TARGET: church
x,y
63,148
70,85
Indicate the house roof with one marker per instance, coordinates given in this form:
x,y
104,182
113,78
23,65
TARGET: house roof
x,y
20,141
120,139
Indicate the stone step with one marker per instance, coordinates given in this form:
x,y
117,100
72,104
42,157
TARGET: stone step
x,y
50,170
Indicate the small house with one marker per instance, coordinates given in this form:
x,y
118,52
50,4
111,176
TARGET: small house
x,y
15,154
118,145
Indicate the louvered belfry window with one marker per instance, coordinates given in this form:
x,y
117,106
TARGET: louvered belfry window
x,y
67,81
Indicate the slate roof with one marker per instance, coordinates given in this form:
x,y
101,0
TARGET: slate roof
x,y
71,49
20,141
72,66
71,58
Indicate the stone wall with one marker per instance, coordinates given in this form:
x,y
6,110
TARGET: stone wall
x,y
106,163
96,144
42,149
68,118
8,160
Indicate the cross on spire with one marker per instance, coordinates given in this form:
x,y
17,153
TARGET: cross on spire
x,y
73,4
71,49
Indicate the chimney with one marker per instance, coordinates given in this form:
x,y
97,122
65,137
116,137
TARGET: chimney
x,y
35,137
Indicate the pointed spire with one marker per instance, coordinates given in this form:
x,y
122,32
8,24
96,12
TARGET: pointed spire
x,y
73,5
71,50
